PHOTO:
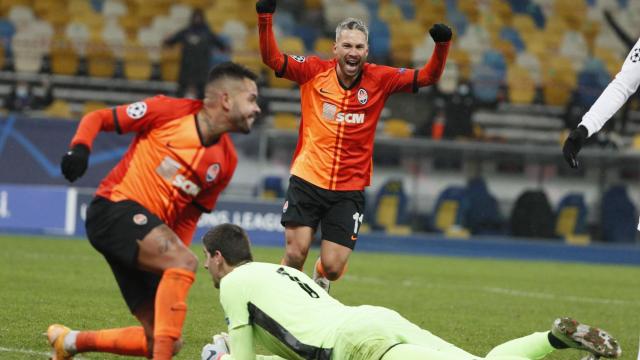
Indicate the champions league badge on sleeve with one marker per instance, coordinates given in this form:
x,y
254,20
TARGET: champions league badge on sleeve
x,y
635,55
137,110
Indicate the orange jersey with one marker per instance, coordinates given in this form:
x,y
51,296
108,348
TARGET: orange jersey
x,y
166,168
338,125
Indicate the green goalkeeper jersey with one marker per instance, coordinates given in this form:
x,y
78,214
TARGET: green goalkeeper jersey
x,y
291,315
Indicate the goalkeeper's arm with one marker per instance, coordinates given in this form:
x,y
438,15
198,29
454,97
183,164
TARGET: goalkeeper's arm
x,y
242,347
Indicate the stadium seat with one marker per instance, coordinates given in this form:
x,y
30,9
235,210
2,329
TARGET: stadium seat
x,y
571,219
237,32
137,65
59,109
27,57
618,216
532,216
390,208
170,64
323,47
291,45
64,60
271,188
592,80
487,82
286,121
90,106
450,212
100,60
522,88
397,128
484,216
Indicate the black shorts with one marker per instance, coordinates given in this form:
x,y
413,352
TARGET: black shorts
x,y
339,213
114,228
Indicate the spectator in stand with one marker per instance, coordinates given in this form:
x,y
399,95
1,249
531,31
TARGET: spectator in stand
x,y
22,97
197,40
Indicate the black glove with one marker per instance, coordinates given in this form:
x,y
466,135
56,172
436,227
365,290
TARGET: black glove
x,y
573,144
266,6
74,162
440,33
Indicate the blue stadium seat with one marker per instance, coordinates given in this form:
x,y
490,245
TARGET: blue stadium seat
x,y
591,82
379,39
407,7
510,34
391,206
7,30
571,216
452,5
618,216
484,214
458,21
451,209
496,61
286,22
270,188
486,83
520,6
308,34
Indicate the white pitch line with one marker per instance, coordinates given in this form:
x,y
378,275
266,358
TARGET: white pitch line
x,y
498,290
639,349
33,352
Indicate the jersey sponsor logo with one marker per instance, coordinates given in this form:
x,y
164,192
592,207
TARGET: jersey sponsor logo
x,y
329,110
363,96
350,118
298,58
168,168
212,172
137,110
186,185
635,55
140,219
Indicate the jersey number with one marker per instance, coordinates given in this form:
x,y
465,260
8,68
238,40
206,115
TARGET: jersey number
x,y
302,285
357,221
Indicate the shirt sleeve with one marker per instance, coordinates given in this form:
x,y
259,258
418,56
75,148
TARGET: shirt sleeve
x,y
142,115
618,91
233,299
397,79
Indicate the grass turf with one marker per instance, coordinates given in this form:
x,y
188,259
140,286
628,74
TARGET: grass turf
x,y
473,303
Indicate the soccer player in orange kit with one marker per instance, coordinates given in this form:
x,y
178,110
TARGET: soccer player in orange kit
x,y
341,101
145,211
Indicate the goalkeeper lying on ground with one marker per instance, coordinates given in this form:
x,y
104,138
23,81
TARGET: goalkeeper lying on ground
x,y
293,317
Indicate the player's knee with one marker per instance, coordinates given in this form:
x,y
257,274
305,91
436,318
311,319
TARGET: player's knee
x,y
333,271
295,256
189,261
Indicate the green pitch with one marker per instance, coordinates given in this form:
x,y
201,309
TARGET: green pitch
x,y
472,303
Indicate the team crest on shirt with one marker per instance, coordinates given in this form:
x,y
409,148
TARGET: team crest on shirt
x,y
212,172
137,110
635,55
298,58
140,219
363,96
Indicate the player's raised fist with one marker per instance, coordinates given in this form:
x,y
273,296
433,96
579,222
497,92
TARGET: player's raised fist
x,y
266,6
74,162
440,33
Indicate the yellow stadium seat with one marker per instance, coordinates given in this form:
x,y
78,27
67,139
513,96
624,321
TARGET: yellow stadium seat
x,y
170,64
100,60
430,12
251,61
278,82
523,23
522,87
2,57
323,47
291,45
64,60
390,13
137,65
59,109
398,128
285,121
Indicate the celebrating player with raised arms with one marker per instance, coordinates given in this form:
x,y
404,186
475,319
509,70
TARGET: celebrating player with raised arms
x,y
341,101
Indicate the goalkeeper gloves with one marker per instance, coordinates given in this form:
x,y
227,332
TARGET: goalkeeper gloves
x,y
266,6
573,144
440,33
217,349
74,162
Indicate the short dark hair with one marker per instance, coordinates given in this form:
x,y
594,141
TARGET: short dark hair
x,y
230,70
232,242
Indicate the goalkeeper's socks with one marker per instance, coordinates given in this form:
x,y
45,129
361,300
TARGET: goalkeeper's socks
x,y
122,341
170,310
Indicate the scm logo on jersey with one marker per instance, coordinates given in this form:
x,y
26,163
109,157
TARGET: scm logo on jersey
x,y
350,118
186,185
